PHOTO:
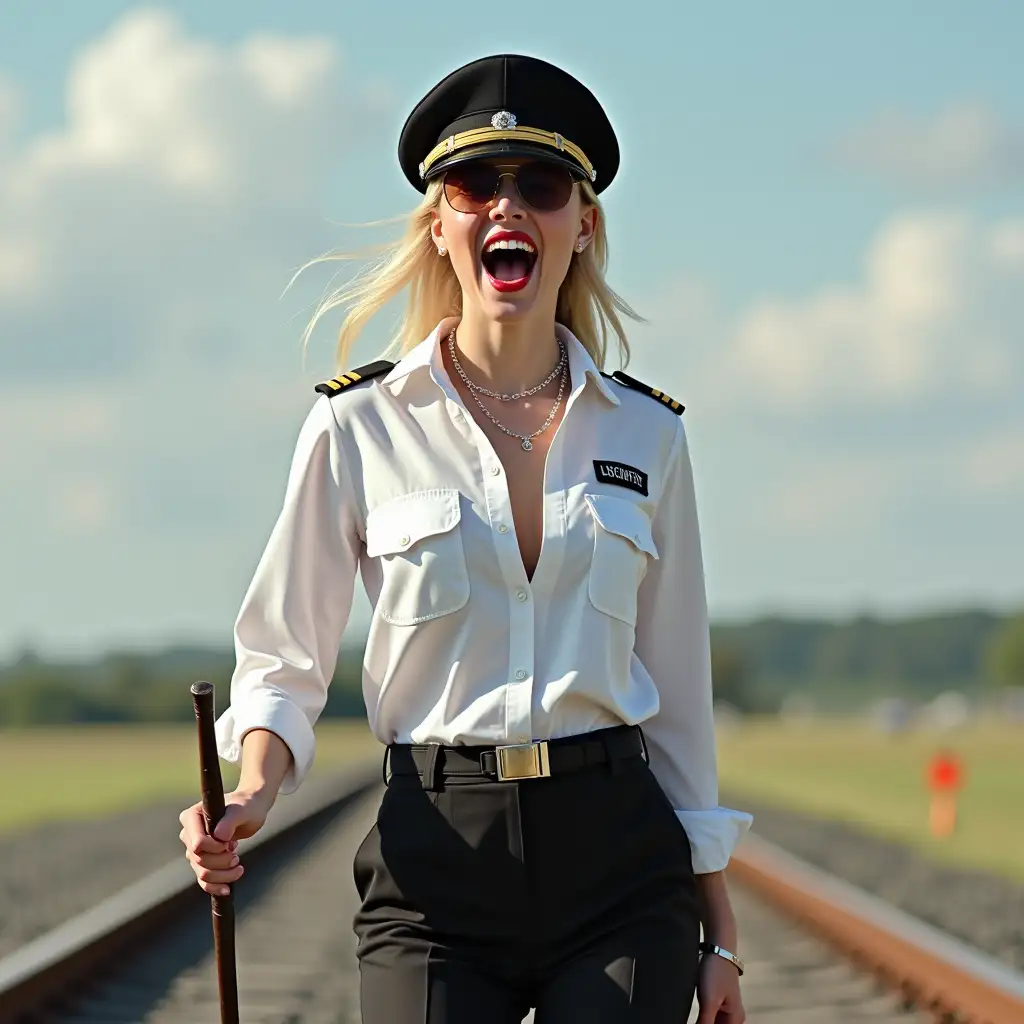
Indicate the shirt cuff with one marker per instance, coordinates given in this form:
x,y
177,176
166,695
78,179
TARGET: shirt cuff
x,y
280,716
713,835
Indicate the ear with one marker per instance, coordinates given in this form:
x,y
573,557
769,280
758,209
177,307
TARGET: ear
x,y
436,232
588,223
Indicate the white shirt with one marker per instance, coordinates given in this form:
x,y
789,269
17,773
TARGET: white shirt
x,y
392,476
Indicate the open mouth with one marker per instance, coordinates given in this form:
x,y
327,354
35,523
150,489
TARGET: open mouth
x,y
509,263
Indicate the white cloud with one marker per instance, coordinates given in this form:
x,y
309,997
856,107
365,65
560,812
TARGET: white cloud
x,y
189,116
151,385
187,178
937,313
863,441
967,143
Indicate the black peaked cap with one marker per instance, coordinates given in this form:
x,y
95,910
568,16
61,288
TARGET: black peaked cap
x,y
511,105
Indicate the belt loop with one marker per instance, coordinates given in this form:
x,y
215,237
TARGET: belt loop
x,y
643,743
432,767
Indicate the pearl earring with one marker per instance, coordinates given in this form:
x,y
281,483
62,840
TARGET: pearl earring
x,y
441,250
579,247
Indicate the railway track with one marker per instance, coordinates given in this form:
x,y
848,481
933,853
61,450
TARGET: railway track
x,y
816,949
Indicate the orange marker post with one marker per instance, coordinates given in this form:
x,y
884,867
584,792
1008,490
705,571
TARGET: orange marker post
x,y
945,778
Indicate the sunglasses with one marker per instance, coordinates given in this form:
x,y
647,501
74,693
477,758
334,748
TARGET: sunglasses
x,y
471,186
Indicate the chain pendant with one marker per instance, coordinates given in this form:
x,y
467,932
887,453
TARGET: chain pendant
x,y
527,445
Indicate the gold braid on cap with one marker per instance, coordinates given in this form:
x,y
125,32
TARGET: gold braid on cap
x,y
509,130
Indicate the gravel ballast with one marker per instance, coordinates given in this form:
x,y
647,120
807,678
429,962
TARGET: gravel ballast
x,y
52,872
984,910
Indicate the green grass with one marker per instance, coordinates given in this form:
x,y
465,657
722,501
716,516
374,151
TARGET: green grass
x,y
849,771
85,771
840,770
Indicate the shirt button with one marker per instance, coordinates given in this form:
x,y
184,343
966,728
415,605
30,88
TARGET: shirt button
x,y
495,470
520,673
502,528
521,595
403,541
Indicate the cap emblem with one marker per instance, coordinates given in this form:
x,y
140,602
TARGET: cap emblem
x,y
503,119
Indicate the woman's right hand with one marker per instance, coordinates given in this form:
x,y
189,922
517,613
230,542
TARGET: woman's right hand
x,y
214,858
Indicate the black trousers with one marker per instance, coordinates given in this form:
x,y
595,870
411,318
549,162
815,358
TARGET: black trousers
x,y
572,894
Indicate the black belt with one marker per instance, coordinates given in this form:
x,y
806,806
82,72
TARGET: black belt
x,y
515,762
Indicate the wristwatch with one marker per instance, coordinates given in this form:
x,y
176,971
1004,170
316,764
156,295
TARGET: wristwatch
x,y
710,947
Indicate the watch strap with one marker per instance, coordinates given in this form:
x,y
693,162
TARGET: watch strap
x,y
711,947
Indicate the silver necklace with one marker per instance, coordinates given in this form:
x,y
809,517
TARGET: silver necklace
x,y
525,438
473,386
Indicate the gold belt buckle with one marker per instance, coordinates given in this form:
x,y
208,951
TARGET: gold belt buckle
x,y
523,761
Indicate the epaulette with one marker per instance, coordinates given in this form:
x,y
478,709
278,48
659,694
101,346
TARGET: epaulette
x,y
344,380
639,385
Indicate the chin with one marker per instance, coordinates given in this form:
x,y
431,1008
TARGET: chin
x,y
508,309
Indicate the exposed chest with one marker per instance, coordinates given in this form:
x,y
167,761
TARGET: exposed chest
x,y
524,470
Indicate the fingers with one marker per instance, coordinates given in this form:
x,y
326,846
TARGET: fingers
x,y
216,859
193,833
214,862
214,881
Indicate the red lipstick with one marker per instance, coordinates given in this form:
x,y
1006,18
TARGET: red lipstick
x,y
515,284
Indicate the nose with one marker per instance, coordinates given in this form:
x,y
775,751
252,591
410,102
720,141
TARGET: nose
x,y
506,205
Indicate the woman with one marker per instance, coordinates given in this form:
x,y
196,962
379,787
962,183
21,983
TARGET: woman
x,y
526,531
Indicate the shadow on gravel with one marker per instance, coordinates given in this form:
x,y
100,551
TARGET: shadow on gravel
x,y
134,986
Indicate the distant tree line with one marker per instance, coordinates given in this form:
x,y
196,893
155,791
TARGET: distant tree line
x,y
136,687
850,662
754,666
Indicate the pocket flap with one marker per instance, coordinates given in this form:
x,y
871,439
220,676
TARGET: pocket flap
x,y
401,522
622,517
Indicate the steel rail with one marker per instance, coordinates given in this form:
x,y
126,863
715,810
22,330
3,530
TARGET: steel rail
x,y
50,968
933,970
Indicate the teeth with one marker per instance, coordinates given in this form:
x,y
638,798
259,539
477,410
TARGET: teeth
x,y
515,243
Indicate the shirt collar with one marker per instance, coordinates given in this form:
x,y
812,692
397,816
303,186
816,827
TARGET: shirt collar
x,y
428,354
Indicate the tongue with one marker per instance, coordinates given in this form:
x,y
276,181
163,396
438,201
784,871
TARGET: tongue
x,y
510,268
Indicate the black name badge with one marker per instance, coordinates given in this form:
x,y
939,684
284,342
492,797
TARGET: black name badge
x,y
621,474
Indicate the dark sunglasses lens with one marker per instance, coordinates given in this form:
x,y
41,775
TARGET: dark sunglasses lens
x,y
470,187
546,187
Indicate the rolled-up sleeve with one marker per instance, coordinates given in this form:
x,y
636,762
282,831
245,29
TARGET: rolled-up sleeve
x,y
292,617
673,644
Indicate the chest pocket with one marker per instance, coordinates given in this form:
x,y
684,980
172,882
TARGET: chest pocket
x,y
623,543
418,539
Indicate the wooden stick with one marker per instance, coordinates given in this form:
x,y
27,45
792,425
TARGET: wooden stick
x,y
223,910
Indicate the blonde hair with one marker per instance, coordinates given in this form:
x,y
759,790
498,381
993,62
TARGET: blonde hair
x,y
586,304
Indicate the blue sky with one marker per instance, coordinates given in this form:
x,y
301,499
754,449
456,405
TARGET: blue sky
x,y
819,210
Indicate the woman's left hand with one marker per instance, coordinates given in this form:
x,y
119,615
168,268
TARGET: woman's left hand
x,y
718,992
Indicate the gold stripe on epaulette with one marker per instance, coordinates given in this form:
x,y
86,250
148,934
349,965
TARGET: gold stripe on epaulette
x,y
350,377
638,385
